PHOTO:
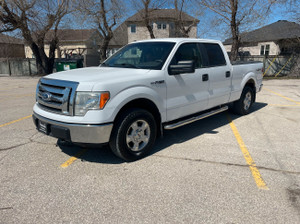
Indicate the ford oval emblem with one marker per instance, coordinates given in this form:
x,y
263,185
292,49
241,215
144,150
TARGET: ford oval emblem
x,y
46,96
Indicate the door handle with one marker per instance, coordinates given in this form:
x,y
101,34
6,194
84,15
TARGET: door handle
x,y
227,74
205,77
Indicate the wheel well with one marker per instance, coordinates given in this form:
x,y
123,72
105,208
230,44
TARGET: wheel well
x,y
145,104
251,84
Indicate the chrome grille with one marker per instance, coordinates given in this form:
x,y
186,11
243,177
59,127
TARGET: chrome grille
x,y
56,96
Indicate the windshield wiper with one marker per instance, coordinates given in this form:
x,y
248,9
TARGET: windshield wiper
x,y
104,65
126,65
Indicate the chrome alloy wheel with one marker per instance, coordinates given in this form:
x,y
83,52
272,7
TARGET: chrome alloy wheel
x,y
138,135
247,100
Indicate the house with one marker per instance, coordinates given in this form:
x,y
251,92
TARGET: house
x,y
164,22
72,42
279,38
11,47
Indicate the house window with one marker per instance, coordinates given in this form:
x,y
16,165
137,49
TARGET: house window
x,y
159,26
262,50
133,28
265,49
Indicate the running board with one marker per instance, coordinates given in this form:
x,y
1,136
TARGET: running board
x,y
192,119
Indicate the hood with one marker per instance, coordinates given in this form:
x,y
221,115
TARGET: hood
x,y
97,74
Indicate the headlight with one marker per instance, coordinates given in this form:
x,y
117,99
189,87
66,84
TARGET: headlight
x,y
90,101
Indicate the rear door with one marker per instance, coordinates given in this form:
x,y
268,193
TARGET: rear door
x,y
219,73
187,93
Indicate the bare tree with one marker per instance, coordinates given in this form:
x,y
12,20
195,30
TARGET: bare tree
x,y
237,14
104,14
147,12
34,19
147,7
183,28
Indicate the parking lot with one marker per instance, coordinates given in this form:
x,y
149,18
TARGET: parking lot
x,y
223,169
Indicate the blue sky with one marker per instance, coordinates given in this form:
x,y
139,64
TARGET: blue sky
x,y
204,27
279,12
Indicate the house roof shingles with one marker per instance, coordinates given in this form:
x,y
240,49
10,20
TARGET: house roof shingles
x,y
120,37
161,14
5,39
71,35
281,29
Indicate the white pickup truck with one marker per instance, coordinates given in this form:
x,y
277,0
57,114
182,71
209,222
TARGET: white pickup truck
x,y
144,88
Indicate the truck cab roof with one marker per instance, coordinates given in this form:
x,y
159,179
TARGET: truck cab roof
x,y
178,40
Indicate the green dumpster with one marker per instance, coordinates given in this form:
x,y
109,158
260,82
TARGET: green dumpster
x,y
68,64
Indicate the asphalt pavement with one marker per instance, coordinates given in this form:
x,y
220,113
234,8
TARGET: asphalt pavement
x,y
223,169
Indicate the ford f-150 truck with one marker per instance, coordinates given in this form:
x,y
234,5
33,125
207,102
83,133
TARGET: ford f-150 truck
x,y
144,88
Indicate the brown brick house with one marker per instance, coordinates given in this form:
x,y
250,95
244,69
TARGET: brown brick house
x,y
164,23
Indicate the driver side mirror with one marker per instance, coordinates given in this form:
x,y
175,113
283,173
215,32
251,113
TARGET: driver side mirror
x,y
182,67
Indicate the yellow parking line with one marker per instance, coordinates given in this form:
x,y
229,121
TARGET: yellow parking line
x,y
278,94
72,159
255,173
23,118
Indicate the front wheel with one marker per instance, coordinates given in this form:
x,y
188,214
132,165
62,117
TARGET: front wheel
x,y
243,105
133,135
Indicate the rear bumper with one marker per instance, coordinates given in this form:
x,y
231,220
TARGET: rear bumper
x,y
77,133
260,87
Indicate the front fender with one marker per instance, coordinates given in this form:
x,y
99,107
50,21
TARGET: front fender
x,y
125,96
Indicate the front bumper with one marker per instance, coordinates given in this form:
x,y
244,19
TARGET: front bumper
x,y
77,133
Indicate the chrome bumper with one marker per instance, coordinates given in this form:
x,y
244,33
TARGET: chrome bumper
x,y
77,133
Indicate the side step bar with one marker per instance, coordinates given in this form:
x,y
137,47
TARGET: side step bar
x,y
192,119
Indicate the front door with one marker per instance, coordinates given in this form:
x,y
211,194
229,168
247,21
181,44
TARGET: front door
x,y
187,93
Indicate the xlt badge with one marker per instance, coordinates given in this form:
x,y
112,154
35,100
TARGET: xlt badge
x,y
158,82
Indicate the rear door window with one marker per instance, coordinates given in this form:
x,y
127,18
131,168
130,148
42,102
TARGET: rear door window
x,y
212,55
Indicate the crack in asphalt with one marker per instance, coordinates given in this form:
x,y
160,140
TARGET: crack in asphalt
x,y
31,140
13,147
6,208
16,146
228,164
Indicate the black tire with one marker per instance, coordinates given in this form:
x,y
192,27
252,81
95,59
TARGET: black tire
x,y
133,135
243,105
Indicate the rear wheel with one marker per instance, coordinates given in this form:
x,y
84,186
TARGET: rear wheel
x,y
243,105
133,135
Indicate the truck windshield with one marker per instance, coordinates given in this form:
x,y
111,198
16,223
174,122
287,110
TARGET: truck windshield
x,y
146,55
